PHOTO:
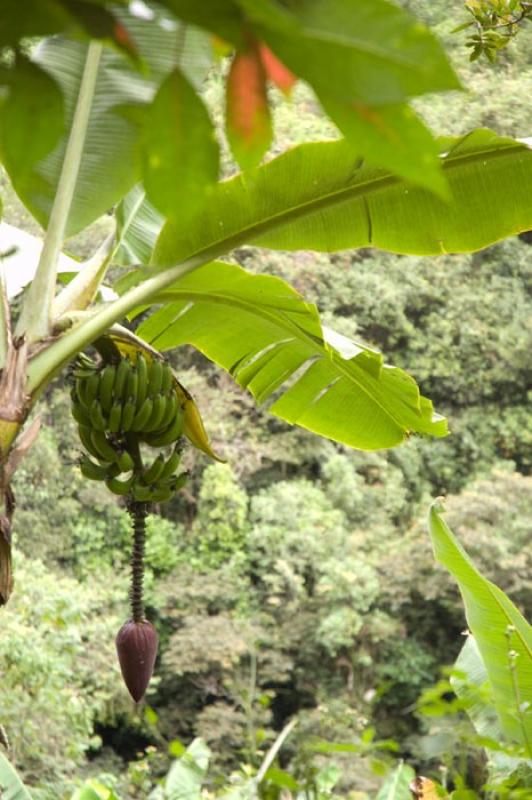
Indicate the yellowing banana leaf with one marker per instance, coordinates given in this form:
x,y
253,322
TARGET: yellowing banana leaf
x,y
130,346
321,196
271,341
503,636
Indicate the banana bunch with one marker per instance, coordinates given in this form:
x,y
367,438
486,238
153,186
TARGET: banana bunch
x,y
118,407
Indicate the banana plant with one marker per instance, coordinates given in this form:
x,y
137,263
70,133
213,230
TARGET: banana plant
x,y
107,116
497,656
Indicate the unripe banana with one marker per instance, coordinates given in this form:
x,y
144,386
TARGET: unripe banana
x,y
122,372
85,361
170,465
105,390
153,473
115,416
103,447
170,435
141,493
156,377
95,472
143,415
93,385
172,404
154,423
82,372
119,487
81,392
97,419
143,380
80,414
168,379
178,482
84,433
125,461
129,410
160,495
132,383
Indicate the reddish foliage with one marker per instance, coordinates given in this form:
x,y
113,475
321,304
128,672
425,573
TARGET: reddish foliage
x,y
276,70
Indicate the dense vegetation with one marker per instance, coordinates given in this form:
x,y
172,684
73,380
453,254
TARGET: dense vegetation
x,y
298,577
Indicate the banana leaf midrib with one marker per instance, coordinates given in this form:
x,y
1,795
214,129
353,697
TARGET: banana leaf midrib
x,y
321,349
337,197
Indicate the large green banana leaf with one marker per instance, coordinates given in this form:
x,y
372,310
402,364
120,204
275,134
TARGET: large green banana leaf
x,y
503,636
320,196
471,684
11,787
111,162
271,341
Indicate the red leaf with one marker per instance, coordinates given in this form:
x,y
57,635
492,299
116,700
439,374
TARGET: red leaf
x,y
276,70
248,122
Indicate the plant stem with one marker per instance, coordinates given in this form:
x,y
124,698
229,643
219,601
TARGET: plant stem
x,y
138,513
5,320
50,360
36,317
274,749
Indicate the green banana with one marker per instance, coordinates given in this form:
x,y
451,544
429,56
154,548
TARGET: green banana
x,y
85,361
178,482
140,492
160,495
122,372
143,380
81,372
92,387
95,472
156,377
170,465
84,433
152,474
170,435
81,392
96,416
171,407
132,384
119,487
157,415
105,391
115,416
142,415
128,414
168,379
103,447
80,414
125,461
